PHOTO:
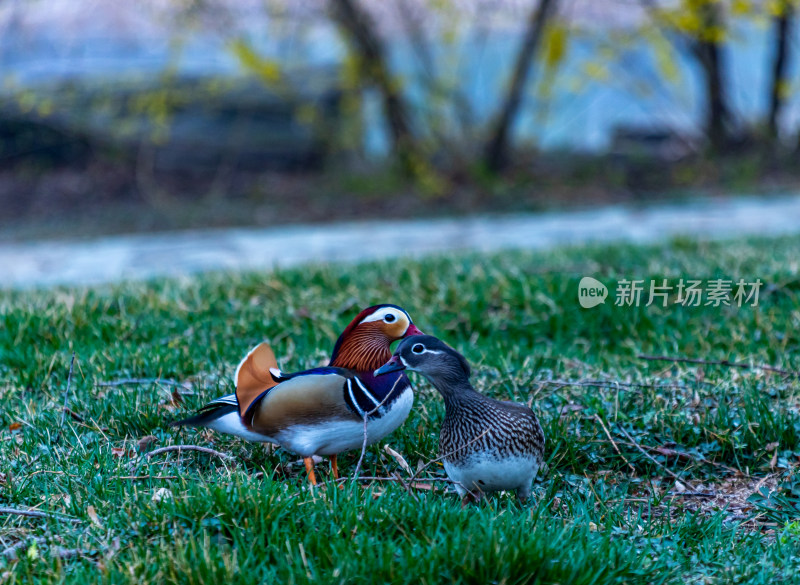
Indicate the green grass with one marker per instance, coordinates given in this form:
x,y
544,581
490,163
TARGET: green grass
x,y
600,515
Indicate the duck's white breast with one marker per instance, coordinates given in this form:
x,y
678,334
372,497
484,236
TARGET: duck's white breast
x,y
491,474
329,438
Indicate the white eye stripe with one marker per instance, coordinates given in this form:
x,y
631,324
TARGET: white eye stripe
x,y
381,313
424,351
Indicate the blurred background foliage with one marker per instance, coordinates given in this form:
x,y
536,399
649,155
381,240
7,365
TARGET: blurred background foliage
x,y
345,108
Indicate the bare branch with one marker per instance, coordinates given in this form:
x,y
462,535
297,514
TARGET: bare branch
x,y
11,551
366,419
497,145
646,454
62,553
180,448
609,384
726,363
38,514
610,438
140,381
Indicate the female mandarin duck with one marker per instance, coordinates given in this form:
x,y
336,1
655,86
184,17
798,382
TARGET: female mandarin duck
x,y
320,411
487,445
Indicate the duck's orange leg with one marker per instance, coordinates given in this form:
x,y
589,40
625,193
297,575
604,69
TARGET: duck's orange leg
x,y
334,467
310,470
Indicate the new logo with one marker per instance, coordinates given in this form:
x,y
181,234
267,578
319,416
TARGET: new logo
x,y
591,292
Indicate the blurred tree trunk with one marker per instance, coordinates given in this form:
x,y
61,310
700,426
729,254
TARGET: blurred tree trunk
x,y
496,150
782,23
372,62
708,50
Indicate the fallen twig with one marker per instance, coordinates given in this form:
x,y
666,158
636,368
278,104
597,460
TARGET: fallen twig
x,y
38,514
66,400
726,363
11,551
144,477
608,384
406,486
180,448
421,484
614,444
141,381
646,454
62,553
366,419
699,495
74,415
684,455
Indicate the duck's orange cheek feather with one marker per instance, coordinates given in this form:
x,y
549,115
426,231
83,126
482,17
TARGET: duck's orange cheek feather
x,y
394,330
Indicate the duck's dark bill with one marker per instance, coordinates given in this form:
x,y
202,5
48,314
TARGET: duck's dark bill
x,y
393,365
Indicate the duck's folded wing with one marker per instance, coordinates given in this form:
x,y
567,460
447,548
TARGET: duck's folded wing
x,y
305,398
253,375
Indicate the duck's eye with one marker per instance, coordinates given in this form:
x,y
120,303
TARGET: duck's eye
x,y
390,318
418,348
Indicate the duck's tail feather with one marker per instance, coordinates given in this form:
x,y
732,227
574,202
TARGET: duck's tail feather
x,y
210,412
253,376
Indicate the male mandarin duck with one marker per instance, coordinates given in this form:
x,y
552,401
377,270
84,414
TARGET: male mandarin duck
x,y
487,445
320,411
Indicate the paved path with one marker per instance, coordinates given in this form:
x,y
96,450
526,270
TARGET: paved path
x,y
113,259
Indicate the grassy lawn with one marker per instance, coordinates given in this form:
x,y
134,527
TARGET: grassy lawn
x,y
658,472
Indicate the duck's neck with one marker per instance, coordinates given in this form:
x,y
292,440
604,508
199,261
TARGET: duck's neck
x,y
457,392
365,352
361,351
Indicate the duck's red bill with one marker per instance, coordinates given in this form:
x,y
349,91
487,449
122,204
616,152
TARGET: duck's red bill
x,y
412,330
393,365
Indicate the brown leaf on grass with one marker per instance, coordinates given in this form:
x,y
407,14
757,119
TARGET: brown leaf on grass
x,y
176,397
567,409
74,415
145,442
92,513
15,426
399,458
667,452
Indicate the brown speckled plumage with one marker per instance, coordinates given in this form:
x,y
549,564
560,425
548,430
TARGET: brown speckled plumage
x,y
486,444
474,422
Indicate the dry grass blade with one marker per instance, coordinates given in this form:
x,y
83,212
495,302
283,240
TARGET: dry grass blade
x,y
66,399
